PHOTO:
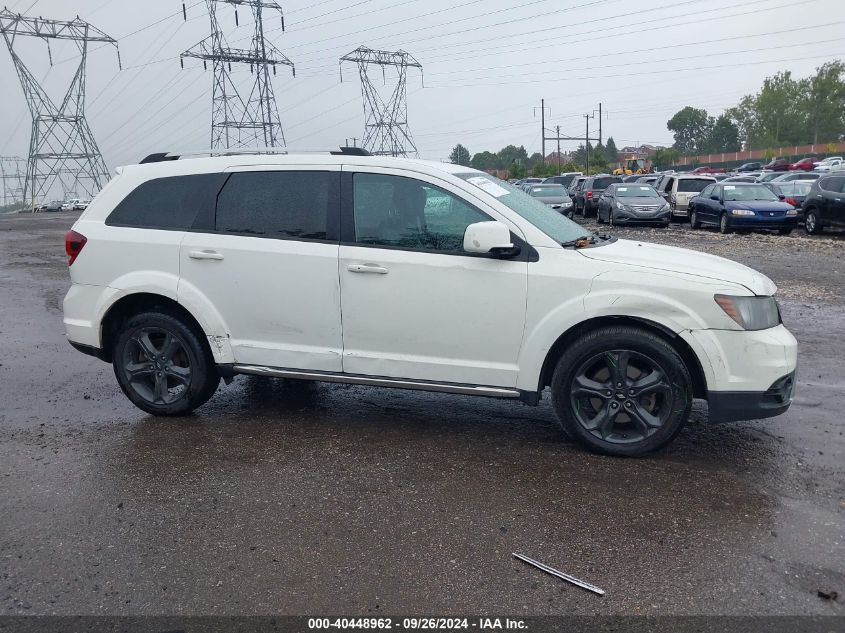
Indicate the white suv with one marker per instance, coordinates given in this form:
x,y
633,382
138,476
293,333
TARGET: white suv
x,y
412,274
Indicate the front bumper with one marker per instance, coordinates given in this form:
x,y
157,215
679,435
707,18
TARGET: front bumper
x,y
763,222
632,217
731,406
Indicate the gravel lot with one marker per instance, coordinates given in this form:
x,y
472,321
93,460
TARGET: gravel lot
x,y
281,498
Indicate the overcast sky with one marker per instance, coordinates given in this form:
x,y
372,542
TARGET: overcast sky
x,y
487,64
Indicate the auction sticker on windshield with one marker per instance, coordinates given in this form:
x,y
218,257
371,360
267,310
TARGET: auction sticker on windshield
x,y
489,186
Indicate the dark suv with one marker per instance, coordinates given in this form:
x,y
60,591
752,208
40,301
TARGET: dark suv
x,y
824,205
588,194
777,164
749,167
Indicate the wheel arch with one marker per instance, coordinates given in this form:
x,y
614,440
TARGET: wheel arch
x,y
135,303
683,349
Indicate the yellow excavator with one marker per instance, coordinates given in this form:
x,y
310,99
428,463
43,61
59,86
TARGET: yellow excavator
x,y
633,165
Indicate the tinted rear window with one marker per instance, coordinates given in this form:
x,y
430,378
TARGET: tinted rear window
x,y
693,184
605,182
167,203
292,204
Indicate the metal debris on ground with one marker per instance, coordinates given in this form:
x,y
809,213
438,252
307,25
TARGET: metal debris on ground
x,y
560,574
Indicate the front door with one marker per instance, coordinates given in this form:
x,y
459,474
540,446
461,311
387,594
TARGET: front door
x,y
267,263
414,304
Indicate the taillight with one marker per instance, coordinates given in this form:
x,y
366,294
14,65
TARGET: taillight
x,y
589,195
792,202
74,242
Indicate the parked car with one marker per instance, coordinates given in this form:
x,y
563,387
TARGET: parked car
x,y
632,203
527,182
748,178
766,176
451,281
777,164
704,169
793,192
824,206
53,205
797,175
830,163
589,192
553,196
749,167
805,164
631,177
721,176
70,205
81,205
651,179
574,187
677,189
564,179
742,206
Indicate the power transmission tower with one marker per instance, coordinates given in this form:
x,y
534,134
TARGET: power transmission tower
x,y
237,121
386,130
61,148
12,173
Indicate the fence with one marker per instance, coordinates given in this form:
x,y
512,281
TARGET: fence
x,y
734,159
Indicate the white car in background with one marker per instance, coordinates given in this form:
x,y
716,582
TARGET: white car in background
x,y
830,163
70,205
392,272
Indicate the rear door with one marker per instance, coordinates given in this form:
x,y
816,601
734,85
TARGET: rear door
x,y
265,260
834,214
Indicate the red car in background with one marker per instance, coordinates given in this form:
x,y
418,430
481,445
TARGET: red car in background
x,y
807,163
708,170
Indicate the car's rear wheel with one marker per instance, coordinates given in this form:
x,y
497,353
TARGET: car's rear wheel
x,y
811,222
622,391
693,219
599,219
724,225
162,365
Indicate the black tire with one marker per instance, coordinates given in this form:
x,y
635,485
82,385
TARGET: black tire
x,y
162,365
784,231
585,375
599,219
693,219
811,222
724,226
665,225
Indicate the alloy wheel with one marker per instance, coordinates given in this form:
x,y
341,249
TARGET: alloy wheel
x,y
621,396
157,366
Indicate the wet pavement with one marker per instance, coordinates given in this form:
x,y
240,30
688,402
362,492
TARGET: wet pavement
x,y
295,498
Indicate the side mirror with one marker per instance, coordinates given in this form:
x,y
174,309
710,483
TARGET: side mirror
x,y
716,198
782,197
489,238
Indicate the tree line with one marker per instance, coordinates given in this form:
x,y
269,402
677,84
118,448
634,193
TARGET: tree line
x,y
786,111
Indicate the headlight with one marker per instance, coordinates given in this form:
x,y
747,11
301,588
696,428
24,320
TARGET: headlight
x,y
742,212
751,313
792,212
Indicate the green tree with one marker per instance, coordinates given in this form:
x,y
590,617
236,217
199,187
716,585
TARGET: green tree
x,y
779,114
460,155
516,170
824,103
484,160
665,157
610,151
744,115
535,159
509,154
724,137
691,128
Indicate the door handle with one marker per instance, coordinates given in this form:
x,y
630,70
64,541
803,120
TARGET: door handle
x,y
366,268
207,254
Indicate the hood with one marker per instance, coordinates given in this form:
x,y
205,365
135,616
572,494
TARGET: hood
x,y
553,199
758,205
642,202
681,260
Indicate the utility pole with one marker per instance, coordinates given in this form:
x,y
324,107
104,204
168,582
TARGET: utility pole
x,y
557,131
587,117
62,150
599,123
543,126
386,130
237,120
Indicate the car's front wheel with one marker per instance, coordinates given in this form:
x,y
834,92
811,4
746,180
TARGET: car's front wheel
x,y
162,365
693,219
724,224
622,391
811,222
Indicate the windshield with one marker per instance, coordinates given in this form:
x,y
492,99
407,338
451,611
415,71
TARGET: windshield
x,y
547,191
689,185
794,188
749,192
638,191
558,227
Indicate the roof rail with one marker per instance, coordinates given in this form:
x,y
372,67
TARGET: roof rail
x,y
248,151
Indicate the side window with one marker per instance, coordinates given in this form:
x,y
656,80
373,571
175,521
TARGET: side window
x,y
669,183
288,204
408,213
167,203
708,191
